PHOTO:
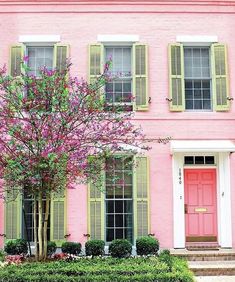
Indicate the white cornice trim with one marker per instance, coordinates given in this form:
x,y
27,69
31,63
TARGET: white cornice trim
x,y
117,38
187,146
38,38
196,38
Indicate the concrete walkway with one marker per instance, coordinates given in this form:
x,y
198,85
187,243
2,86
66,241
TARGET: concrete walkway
x,y
215,278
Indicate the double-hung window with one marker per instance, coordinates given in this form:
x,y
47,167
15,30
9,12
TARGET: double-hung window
x,y
119,90
119,199
39,56
128,88
120,209
198,78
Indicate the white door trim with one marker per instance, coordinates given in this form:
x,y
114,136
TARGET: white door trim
x,y
223,199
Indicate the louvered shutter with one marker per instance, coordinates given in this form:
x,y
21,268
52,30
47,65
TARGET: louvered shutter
x,y
141,196
140,76
58,217
16,59
176,77
96,57
61,54
13,214
96,53
96,212
220,77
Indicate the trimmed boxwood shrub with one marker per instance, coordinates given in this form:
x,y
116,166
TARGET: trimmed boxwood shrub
x,y
16,247
99,270
147,245
94,247
71,248
120,248
165,256
51,248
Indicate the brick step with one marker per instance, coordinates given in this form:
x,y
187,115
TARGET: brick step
x,y
207,255
212,268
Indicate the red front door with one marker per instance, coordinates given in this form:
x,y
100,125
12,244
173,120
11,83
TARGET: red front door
x,y
200,205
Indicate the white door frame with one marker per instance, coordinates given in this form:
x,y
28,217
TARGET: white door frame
x,y
223,198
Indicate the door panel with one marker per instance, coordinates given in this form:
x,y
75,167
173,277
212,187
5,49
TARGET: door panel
x,y
200,205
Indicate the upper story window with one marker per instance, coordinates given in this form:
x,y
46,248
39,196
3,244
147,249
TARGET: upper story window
x,y
119,91
39,57
51,56
198,78
129,88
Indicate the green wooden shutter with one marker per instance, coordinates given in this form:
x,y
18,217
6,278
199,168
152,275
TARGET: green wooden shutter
x,y
176,79
13,213
58,217
220,77
141,196
140,76
96,54
16,58
95,212
61,54
96,62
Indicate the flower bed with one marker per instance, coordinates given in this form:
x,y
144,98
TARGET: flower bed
x,y
99,269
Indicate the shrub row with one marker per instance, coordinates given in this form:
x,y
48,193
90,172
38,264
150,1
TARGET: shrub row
x,y
119,248
99,269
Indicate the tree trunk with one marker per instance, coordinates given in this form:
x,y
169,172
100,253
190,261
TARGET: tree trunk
x,y
40,226
35,226
45,225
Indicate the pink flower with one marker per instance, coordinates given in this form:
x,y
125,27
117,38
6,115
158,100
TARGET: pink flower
x,y
26,59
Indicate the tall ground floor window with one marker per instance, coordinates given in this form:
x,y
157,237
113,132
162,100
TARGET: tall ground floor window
x,y
119,199
28,218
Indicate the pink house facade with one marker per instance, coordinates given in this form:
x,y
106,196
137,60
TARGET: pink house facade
x,y
178,61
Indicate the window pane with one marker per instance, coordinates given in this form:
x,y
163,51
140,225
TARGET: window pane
x,y
110,206
188,160
118,206
119,233
199,160
189,104
109,235
209,160
118,220
197,104
110,220
206,104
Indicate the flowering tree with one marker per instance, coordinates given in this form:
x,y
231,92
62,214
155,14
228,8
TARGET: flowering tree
x,y
50,127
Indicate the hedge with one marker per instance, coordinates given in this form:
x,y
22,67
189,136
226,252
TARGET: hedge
x,y
98,269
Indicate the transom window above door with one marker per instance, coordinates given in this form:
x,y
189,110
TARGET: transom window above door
x,y
199,160
198,78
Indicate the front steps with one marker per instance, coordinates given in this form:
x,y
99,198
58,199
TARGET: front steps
x,y
208,262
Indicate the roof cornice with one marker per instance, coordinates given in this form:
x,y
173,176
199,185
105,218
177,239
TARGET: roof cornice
x,y
118,6
118,2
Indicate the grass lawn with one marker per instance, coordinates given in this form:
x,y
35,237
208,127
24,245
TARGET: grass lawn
x,y
100,269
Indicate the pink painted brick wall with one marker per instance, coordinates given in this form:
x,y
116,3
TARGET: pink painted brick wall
x,y
157,26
